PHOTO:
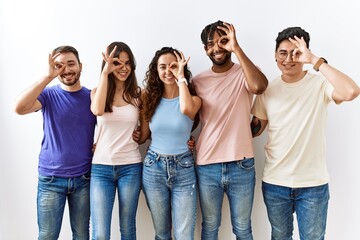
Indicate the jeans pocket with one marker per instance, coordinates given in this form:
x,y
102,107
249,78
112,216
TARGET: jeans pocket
x,y
247,163
187,161
149,160
86,176
45,179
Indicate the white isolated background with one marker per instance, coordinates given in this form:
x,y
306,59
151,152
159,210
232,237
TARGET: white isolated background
x,y
29,30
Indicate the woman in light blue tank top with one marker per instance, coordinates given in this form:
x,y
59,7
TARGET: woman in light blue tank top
x,y
170,106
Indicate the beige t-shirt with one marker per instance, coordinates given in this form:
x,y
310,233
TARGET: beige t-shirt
x,y
114,142
225,116
296,144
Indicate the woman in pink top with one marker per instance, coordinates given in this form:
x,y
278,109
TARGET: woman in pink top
x,y
117,161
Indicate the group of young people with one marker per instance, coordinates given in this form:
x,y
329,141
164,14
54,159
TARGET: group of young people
x,y
90,148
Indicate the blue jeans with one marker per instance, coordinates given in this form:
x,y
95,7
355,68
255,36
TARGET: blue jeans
x,y
237,180
310,205
105,179
169,184
51,198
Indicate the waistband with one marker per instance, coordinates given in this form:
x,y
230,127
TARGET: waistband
x,y
168,156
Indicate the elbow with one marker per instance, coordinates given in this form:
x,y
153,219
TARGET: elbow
x,y
19,109
185,110
259,88
96,111
352,94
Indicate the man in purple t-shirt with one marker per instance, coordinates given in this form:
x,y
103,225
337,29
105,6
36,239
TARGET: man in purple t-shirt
x,y
66,149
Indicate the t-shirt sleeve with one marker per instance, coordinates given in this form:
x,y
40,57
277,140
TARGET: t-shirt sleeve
x,y
258,108
328,91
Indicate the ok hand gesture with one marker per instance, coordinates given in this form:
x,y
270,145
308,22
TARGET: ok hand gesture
x,y
55,67
301,53
177,68
228,41
111,63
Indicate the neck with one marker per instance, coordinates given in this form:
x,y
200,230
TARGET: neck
x,y
171,91
72,88
293,78
222,68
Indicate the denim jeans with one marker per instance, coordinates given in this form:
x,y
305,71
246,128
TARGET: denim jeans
x,y
237,180
310,205
169,184
51,198
105,179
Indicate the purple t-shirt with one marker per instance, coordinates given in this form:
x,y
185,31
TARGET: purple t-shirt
x,y
68,124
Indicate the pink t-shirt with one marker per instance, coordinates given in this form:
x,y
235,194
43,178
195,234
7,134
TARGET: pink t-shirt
x,y
225,116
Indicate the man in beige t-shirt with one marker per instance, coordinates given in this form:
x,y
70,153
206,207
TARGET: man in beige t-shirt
x,y
225,159
294,109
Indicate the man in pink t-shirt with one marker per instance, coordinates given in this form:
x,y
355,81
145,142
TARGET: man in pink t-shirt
x,y
225,158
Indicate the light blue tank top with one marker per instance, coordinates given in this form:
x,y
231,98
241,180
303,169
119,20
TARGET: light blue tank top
x,y
170,129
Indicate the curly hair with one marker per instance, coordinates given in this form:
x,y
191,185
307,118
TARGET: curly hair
x,y
132,92
208,32
154,87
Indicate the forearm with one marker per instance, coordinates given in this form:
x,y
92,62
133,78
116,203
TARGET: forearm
x,y
256,80
99,98
188,104
344,87
26,101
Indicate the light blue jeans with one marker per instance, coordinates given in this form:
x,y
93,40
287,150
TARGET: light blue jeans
x,y
169,184
237,180
51,198
310,205
105,179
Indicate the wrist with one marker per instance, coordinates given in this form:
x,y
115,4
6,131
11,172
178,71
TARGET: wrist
x,y
181,80
319,62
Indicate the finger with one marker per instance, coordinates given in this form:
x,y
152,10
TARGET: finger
x,y
59,65
177,56
187,60
113,52
182,56
225,29
294,41
104,56
174,64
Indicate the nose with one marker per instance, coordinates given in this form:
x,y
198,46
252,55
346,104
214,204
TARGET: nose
x,y
167,71
288,57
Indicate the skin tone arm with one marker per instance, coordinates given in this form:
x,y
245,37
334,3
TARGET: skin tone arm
x,y
259,128
98,95
142,133
256,80
345,89
189,105
27,101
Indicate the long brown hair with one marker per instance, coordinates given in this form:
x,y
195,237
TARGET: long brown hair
x,y
154,87
132,91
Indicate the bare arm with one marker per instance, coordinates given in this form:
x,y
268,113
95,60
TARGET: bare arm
x,y
345,89
189,105
27,101
258,126
256,80
98,95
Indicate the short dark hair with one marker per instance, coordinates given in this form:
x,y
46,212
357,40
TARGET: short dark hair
x,y
208,32
67,49
291,32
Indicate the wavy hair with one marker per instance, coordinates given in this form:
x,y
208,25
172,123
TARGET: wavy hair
x,y
154,87
132,92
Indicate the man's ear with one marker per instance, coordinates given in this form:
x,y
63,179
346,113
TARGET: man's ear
x,y
205,47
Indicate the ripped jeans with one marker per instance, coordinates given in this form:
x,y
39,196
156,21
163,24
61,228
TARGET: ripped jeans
x,y
169,184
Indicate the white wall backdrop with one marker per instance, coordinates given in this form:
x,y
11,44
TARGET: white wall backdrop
x,y
29,30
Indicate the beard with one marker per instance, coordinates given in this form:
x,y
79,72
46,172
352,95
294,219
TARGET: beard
x,y
223,61
63,80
